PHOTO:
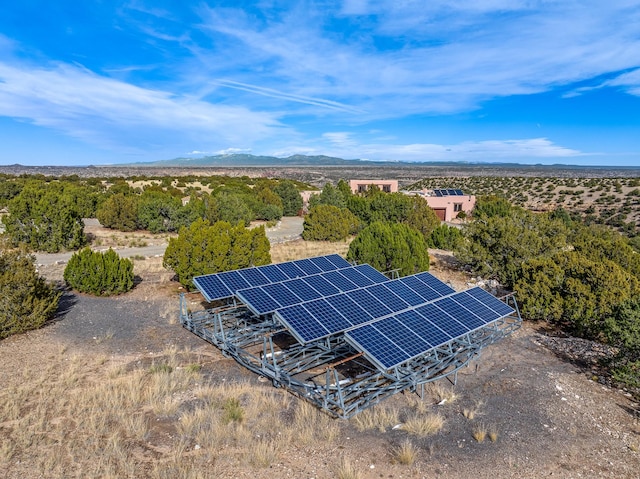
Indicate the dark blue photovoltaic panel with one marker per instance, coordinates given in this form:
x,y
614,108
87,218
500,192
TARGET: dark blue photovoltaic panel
x,y
258,301
323,263
463,315
291,270
452,192
308,267
321,285
369,303
426,292
405,292
211,287
349,309
491,301
233,280
296,318
434,283
302,290
377,347
356,277
437,192
273,273
339,281
475,306
373,274
338,261
442,320
388,297
459,193
424,328
320,311
254,277
281,294
406,339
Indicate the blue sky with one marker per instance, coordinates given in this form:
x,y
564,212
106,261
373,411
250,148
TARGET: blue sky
x,y
99,82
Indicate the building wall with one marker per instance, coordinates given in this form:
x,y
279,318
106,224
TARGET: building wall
x,y
447,205
359,186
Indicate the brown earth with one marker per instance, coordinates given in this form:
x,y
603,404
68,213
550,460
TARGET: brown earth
x,y
540,402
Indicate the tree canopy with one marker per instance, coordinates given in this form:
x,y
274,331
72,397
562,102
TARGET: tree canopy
x,y
102,274
329,223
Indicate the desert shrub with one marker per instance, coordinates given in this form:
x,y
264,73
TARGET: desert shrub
x,y
102,274
203,248
26,302
119,212
389,246
290,196
445,237
329,223
330,195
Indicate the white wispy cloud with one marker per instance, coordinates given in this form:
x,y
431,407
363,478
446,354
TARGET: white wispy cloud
x,y
113,114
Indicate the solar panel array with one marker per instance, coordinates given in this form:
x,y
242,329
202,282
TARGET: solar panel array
x,y
395,339
226,284
271,297
448,192
329,315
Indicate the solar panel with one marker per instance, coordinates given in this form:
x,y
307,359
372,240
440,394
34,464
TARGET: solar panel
x,y
281,294
438,193
452,192
430,280
388,297
212,287
369,303
338,261
322,312
291,270
491,301
404,337
424,328
321,285
426,292
373,274
356,277
444,192
476,307
258,300
308,267
349,309
339,281
461,314
323,263
233,280
378,348
273,273
254,277
459,193
405,292
442,320
302,290
296,318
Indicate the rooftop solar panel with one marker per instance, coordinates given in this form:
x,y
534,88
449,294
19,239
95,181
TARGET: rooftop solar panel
x,y
459,193
437,193
452,192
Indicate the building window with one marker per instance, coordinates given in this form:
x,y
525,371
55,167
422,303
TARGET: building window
x,y
386,188
457,207
362,188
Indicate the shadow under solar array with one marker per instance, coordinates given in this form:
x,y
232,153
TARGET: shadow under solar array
x,y
224,285
395,339
270,297
329,315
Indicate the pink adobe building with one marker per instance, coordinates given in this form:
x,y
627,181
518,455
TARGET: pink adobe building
x,y
360,186
447,203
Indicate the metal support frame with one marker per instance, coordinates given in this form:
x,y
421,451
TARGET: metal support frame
x,y
330,373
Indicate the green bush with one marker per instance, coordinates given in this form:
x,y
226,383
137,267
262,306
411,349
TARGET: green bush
x,y
445,237
389,246
205,249
102,274
328,223
26,301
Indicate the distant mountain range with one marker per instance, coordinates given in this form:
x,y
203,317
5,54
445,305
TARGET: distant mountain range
x,y
253,160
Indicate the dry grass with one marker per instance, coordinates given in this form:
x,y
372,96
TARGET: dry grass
x,y
493,434
405,453
423,425
441,394
473,411
377,417
346,470
479,432
293,250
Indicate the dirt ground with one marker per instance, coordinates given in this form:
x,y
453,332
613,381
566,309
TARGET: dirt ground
x,y
550,416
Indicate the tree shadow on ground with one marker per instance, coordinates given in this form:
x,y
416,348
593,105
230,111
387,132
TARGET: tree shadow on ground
x,y
66,303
